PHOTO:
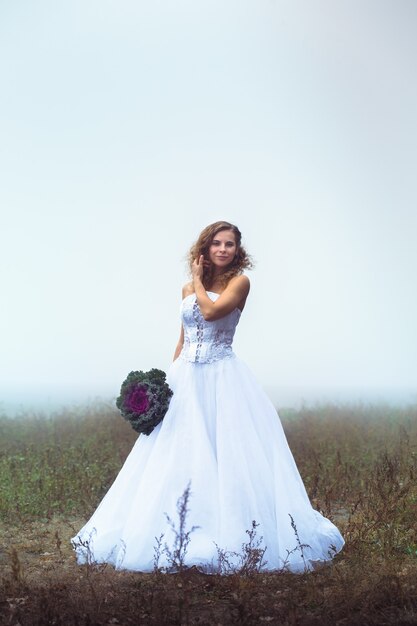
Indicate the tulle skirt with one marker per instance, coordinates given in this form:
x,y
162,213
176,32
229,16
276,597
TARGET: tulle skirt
x,y
222,438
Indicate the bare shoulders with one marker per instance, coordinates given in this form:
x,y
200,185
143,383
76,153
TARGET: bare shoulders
x,y
242,279
241,282
187,290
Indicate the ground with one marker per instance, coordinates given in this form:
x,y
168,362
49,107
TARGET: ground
x,y
359,464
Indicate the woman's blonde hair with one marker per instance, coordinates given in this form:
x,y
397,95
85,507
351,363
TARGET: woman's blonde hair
x,y
241,261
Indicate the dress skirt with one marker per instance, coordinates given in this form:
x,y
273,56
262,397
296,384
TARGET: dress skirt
x,y
222,438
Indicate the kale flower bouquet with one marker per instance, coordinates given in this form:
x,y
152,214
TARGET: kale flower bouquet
x,y
144,399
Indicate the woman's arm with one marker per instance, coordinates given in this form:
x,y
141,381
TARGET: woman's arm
x,y
179,344
186,290
234,295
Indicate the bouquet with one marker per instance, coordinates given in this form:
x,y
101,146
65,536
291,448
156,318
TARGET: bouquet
x,y
144,399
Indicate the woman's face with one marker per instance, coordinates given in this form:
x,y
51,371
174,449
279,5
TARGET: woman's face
x,y
223,249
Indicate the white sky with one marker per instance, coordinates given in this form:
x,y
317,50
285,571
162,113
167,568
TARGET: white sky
x,y
127,126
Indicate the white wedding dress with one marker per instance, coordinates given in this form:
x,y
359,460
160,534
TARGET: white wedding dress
x,y
222,436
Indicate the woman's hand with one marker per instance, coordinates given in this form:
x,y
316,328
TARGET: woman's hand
x,y
197,267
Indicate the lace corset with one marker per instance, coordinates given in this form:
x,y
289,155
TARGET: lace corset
x,y
205,342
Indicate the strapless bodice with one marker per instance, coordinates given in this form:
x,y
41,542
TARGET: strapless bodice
x,y
206,341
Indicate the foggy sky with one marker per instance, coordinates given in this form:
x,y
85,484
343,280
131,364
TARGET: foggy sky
x,y
126,127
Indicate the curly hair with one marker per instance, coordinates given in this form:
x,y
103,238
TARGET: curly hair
x,y
241,261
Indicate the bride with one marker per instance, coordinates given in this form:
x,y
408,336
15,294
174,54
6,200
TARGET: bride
x,y
220,446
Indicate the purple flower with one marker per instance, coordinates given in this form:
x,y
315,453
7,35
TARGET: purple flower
x,y
137,400
144,399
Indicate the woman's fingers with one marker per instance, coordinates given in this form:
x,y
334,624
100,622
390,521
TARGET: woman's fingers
x,y
199,264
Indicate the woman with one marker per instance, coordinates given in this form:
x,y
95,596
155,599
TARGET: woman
x,y
220,443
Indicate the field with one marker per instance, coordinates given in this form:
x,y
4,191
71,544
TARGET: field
x,y
359,464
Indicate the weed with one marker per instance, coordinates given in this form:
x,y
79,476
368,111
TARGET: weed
x,y
16,570
249,561
359,465
176,554
300,546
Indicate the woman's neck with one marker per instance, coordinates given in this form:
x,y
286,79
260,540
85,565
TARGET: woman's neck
x,y
216,284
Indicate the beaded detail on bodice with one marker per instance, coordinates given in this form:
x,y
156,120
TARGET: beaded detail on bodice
x,y
205,342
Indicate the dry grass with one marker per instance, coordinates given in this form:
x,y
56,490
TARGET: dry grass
x,y
359,464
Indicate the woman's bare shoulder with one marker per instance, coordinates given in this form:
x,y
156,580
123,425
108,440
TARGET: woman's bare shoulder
x,y
187,290
240,282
